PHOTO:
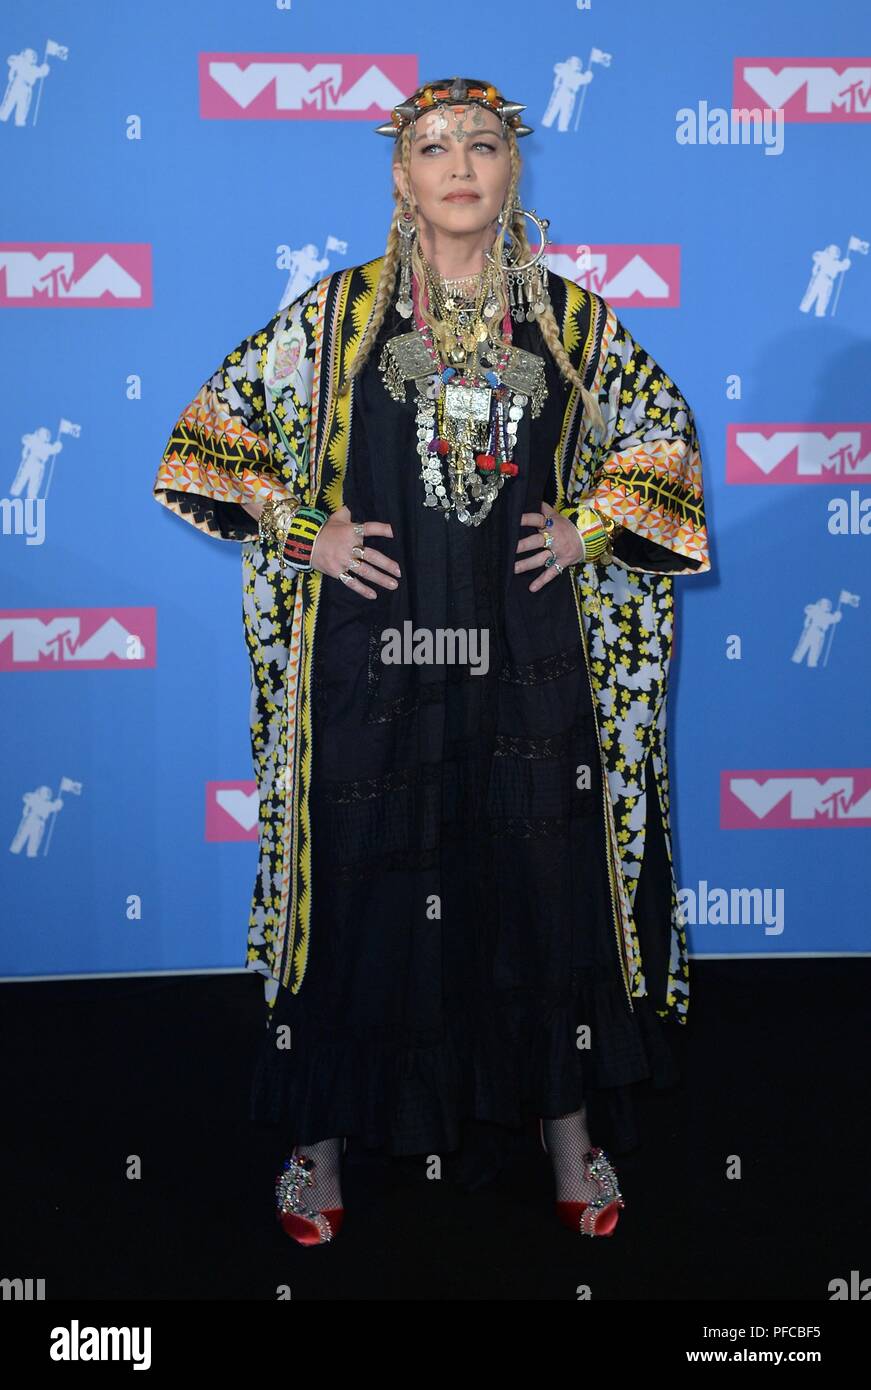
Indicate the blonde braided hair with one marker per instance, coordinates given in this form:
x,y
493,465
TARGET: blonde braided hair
x,y
390,265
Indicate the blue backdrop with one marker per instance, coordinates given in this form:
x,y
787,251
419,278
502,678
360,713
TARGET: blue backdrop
x,y
162,197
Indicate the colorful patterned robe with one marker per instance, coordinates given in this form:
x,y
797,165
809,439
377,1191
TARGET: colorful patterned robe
x,y
270,422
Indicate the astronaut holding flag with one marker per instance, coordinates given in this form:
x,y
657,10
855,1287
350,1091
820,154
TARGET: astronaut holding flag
x,y
38,449
828,265
24,71
819,623
38,806
305,267
571,77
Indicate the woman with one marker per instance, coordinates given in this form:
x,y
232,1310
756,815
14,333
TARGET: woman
x,y
462,491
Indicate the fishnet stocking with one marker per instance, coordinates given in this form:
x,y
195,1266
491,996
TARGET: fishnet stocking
x,y
326,1188
568,1139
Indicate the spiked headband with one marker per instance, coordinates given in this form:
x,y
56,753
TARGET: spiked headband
x,y
454,91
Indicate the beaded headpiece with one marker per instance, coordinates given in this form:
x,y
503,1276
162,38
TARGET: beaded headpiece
x,y
454,91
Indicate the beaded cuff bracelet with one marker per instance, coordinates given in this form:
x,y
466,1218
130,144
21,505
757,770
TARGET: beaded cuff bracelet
x,y
301,536
595,530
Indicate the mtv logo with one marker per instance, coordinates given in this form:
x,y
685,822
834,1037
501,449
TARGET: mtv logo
x,y
805,89
78,275
772,452
795,798
304,86
626,275
77,639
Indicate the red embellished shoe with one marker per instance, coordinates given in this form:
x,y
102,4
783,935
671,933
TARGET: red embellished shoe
x,y
599,1217
303,1223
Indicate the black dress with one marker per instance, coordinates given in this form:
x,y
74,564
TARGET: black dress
x,y
461,929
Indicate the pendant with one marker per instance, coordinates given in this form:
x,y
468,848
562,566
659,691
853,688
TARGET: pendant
x,y
465,460
468,402
450,474
404,357
524,372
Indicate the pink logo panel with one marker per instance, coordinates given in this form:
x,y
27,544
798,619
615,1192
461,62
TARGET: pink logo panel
x,y
781,452
805,89
77,639
795,798
75,275
627,275
304,86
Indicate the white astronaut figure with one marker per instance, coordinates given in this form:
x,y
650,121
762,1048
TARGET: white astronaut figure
x,y
818,618
570,77
24,70
827,264
305,268
38,447
38,806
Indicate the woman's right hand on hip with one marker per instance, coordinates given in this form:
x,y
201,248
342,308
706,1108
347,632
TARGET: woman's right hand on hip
x,y
334,552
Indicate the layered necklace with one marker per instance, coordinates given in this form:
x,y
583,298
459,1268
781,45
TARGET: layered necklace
x,y
472,390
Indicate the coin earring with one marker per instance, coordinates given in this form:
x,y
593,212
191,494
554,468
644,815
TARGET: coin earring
x,y
407,233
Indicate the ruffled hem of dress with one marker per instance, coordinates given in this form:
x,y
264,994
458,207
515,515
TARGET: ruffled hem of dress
x,y
505,1064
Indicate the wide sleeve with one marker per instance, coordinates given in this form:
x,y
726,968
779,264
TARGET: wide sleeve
x,y
646,465
245,433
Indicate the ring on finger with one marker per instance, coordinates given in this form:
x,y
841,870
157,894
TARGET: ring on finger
x,y
551,560
354,565
359,551
358,528
547,539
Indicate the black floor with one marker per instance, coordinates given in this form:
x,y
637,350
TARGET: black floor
x,y
775,1068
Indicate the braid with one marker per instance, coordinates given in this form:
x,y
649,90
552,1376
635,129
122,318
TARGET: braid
x,y
546,320
386,280
386,283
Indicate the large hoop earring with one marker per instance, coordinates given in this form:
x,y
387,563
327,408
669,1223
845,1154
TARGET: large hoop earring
x,y
527,281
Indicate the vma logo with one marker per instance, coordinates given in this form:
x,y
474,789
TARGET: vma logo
x,y
626,275
798,453
304,86
80,275
800,798
81,639
806,89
